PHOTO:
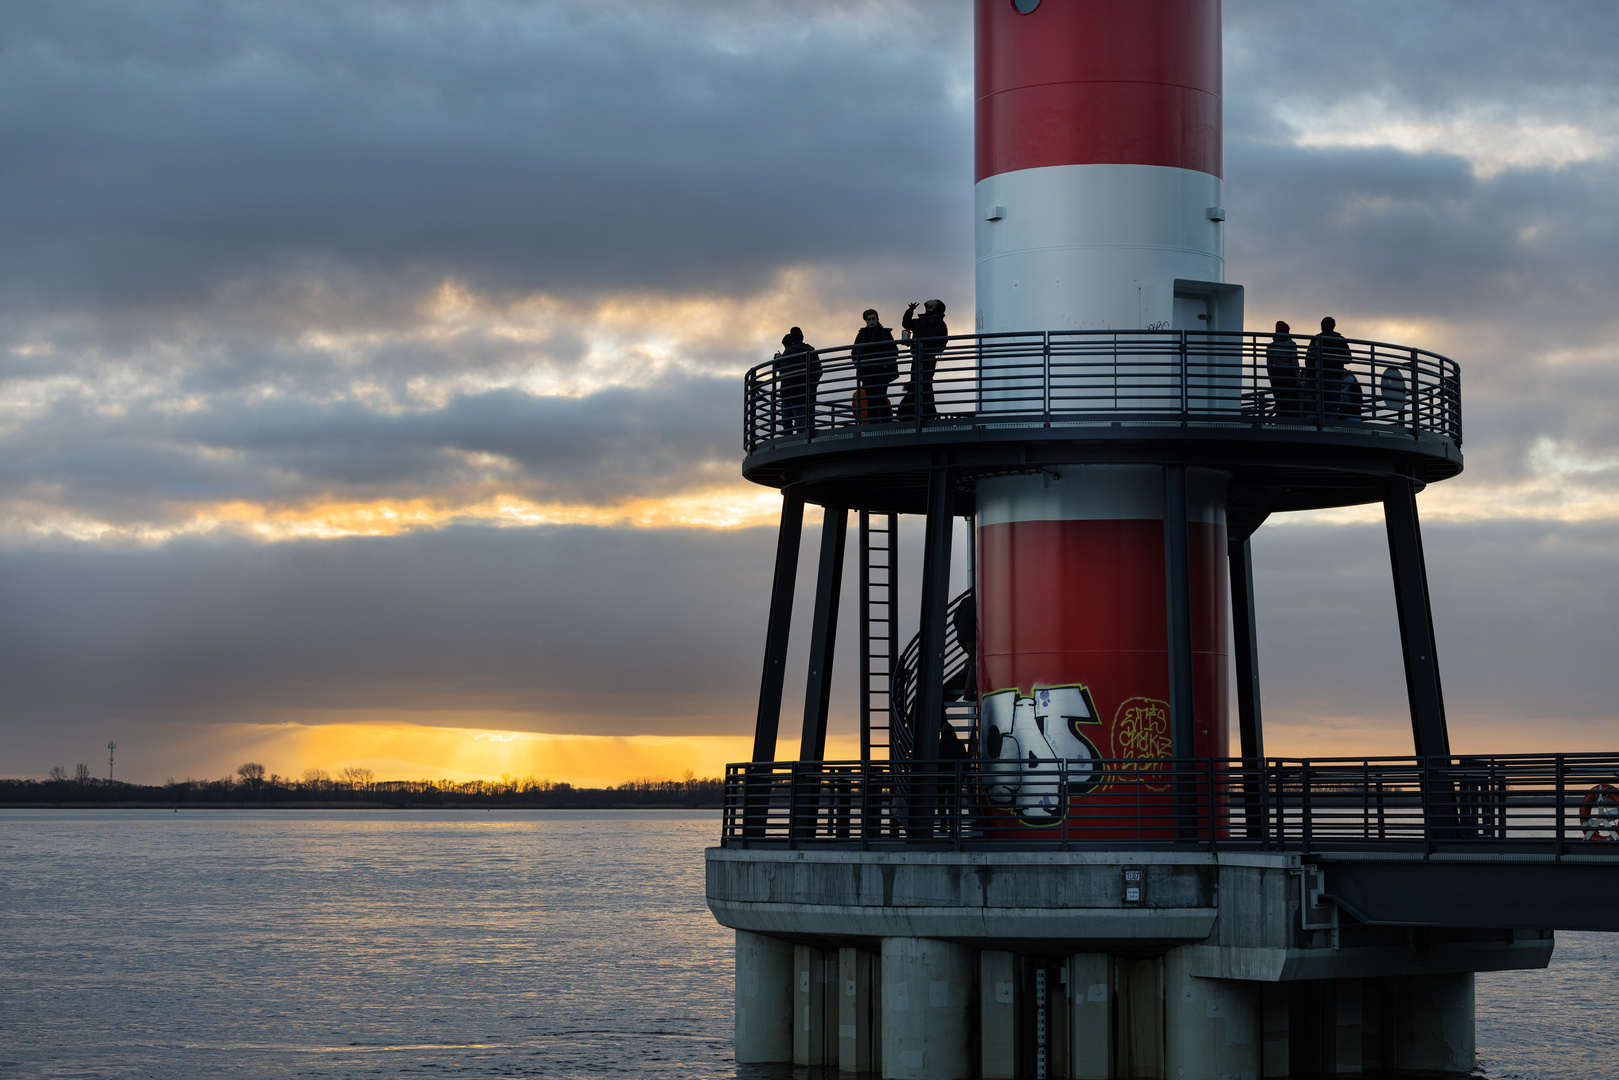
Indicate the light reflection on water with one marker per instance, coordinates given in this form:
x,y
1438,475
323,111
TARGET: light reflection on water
x,y
522,943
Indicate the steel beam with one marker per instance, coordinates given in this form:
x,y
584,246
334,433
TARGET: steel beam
x,y
1178,619
776,633
1178,594
1422,685
1245,636
824,635
935,603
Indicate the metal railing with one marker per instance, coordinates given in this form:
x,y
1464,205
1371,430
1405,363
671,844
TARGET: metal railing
x,y
1123,377
1546,805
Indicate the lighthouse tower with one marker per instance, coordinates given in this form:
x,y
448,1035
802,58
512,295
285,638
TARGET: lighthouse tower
x,y
1057,855
1098,162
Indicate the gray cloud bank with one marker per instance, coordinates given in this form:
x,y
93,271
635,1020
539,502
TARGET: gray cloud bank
x,y
158,150
605,631
613,631
146,463
222,227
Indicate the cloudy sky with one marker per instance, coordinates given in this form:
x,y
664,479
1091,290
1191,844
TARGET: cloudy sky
x,y
369,371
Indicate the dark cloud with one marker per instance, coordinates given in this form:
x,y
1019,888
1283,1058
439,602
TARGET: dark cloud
x,y
158,151
622,631
1525,613
605,631
664,438
1440,54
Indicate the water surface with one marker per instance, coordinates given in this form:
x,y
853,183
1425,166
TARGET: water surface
x,y
463,943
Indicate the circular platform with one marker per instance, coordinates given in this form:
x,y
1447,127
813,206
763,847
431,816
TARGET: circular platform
x,y
842,424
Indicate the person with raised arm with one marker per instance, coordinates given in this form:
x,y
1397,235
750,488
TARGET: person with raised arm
x,y
928,339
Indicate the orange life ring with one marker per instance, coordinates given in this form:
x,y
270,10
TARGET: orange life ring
x,y
1599,814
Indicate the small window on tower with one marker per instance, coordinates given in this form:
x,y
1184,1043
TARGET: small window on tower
x,y
1025,6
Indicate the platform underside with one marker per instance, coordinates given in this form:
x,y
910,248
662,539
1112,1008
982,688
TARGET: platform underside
x,y
883,468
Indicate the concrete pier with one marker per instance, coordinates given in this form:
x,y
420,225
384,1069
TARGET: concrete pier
x,y
928,991
815,1006
764,999
1235,967
859,1011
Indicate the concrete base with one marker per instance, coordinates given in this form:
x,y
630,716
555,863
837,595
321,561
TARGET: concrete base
x,y
999,1000
927,994
1090,1016
859,1011
1211,1026
1054,975
764,999
1433,1028
815,1006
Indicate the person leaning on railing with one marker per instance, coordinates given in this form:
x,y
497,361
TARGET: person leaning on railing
x,y
1328,363
928,334
797,373
876,363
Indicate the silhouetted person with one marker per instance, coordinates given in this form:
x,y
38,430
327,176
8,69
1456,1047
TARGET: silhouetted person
x,y
928,334
1328,364
876,363
798,372
1282,365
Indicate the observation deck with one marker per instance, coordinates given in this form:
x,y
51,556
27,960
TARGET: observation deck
x,y
1021,402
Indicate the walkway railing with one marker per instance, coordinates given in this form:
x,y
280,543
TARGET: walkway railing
x,y
1080,378
1545,805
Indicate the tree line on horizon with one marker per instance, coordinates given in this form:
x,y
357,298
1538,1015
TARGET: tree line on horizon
x,y
252,783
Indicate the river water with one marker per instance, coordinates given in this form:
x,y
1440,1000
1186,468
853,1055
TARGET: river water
x,y
457,943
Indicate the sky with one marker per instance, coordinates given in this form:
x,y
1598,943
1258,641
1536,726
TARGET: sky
x,y
369,372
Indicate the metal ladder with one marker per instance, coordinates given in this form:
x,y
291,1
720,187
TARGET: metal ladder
x,y
879,631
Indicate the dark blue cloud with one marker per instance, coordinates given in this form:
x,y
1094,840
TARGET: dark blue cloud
x,y
156,151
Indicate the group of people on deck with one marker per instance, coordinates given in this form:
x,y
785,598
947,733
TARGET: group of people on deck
x,y
797,368
1324,378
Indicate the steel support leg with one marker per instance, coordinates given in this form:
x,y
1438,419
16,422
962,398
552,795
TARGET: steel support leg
x,y
776,634
1416,619
1178,594
756,797
927,786
935,603
1245,635
809,776
824,636
1428,728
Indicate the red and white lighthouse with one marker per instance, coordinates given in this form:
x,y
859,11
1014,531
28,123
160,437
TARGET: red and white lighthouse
x,y
1098,201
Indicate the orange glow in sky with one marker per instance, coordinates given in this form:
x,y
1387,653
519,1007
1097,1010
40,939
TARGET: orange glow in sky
x,y
417,752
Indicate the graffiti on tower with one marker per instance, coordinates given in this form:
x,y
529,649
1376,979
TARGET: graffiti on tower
x,y
1038,750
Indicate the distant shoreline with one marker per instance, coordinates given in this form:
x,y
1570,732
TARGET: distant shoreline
x,y
255,791
367,804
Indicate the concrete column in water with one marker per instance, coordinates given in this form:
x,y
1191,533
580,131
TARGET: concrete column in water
x,y
764,999
815,1010
1212,1027
1138,1018
1090,1016
859,1018
998,1004
1434,1023
927,992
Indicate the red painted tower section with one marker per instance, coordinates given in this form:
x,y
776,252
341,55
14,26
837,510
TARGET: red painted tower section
x,y
1078,82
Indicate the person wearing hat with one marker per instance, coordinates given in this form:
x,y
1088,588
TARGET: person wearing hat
x,y
797,371
1282,365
